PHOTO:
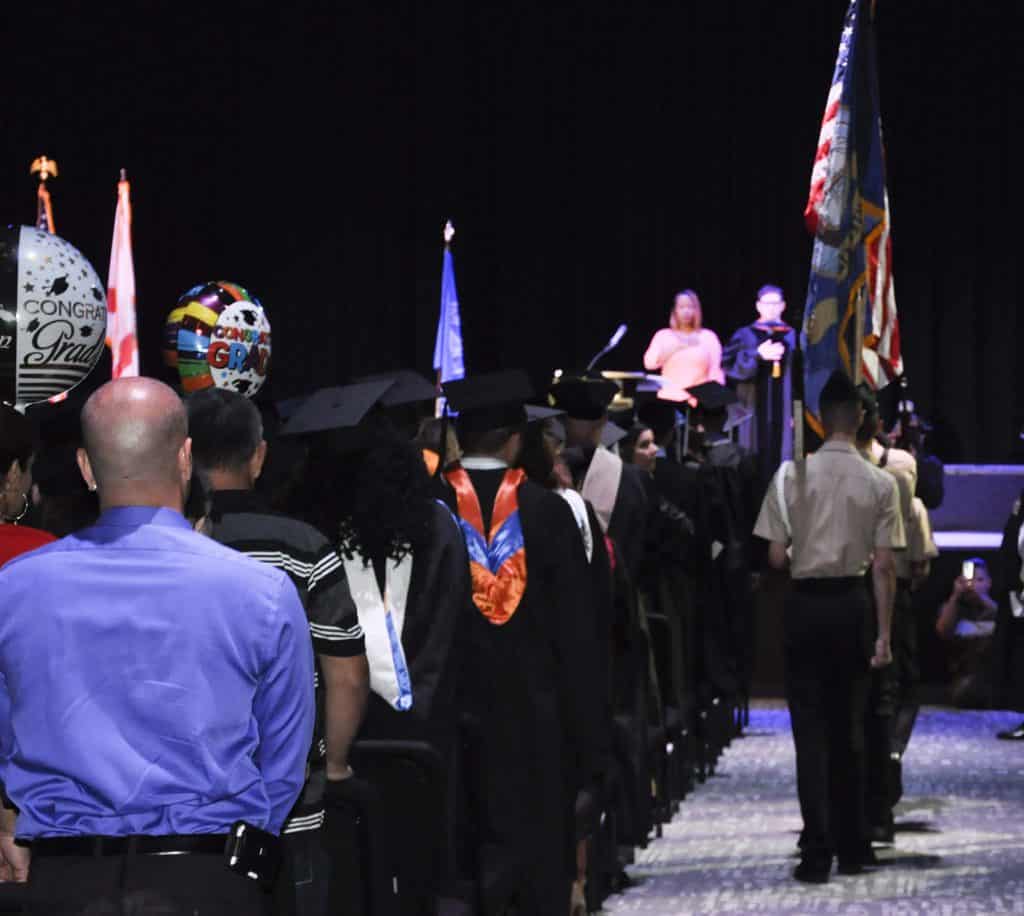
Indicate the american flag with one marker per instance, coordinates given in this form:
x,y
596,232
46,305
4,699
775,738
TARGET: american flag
x,y
848,213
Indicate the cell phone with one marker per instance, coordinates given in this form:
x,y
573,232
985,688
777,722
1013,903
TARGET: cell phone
x,y
967,570
253,853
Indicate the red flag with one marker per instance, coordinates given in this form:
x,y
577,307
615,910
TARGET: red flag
x,y
121,337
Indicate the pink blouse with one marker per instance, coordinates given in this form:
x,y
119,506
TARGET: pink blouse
x,y
685,359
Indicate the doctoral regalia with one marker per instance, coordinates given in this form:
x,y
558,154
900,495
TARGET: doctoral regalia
x,y
770,435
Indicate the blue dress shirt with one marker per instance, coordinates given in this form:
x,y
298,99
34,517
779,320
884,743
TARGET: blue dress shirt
x,y
157,682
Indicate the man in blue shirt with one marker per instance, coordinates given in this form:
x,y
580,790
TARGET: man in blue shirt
x,y
160,685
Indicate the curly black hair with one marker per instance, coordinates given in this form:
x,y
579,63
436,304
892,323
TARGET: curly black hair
x,y
374,502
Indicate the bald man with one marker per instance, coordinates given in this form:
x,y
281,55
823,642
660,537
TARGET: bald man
x,y
160,687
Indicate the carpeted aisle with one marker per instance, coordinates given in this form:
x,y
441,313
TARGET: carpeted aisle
x,y
959,843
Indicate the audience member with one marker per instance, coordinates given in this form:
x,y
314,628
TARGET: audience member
x,y
17,453
182,673
64,503
966,622
229,451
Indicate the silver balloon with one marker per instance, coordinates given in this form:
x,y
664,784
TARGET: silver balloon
x,y
53,316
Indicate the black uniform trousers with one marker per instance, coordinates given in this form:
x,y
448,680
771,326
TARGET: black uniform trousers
x,y
827,646
142,885
907,665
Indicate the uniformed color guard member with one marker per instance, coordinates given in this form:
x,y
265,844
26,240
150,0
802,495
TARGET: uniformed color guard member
x,y
829,520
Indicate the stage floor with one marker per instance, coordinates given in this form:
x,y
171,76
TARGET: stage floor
x,y
959,843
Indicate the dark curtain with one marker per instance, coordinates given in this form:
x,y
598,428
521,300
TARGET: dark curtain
x,y
595,158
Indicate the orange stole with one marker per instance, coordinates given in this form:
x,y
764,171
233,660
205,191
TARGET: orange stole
x,y
497,564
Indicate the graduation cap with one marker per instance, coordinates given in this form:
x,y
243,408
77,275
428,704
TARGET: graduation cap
x,y
738,414
660,414
536,413
287,406
612,433
491,400
408,387
586,396
334,408
712,395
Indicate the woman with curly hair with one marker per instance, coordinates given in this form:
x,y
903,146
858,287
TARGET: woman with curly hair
x,y
17,452
406,563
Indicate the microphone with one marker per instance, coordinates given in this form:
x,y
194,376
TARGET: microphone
x,y
616,338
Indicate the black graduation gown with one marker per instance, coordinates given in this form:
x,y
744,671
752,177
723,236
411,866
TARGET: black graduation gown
x,y
628,521
678,484
629,517
438,604
527,696
768,435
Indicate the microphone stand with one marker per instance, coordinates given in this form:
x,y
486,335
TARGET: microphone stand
x,y
620,332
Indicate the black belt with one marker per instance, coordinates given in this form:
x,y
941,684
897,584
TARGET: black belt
x,y
86,846
837,586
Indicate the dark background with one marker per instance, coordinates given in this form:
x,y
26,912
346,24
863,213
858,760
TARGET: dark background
x,y
595,157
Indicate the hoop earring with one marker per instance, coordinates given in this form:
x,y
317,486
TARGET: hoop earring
x,y
24,511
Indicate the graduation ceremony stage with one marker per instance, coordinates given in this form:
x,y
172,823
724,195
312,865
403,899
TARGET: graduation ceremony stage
x,y
959,830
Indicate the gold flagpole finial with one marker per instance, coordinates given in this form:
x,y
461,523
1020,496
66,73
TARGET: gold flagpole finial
x,y
44,167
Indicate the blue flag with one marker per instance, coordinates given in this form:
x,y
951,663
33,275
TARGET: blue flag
x,y
448,345
850,314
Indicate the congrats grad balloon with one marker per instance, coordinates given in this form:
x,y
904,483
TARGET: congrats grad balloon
x,y
218,335
53,316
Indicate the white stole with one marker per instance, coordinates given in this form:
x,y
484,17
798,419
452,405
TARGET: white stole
x,y
382,619
601,485
579,510
780,495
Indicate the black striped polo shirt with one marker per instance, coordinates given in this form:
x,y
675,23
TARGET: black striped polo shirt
x,y
242,520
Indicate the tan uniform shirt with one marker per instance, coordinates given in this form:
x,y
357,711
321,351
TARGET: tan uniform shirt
x,y
920,543
837,509
903,468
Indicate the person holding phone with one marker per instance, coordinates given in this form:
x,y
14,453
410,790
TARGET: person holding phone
x,y
966,621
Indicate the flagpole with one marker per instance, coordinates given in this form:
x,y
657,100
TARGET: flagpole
x,y
46,168
122,331
447,234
